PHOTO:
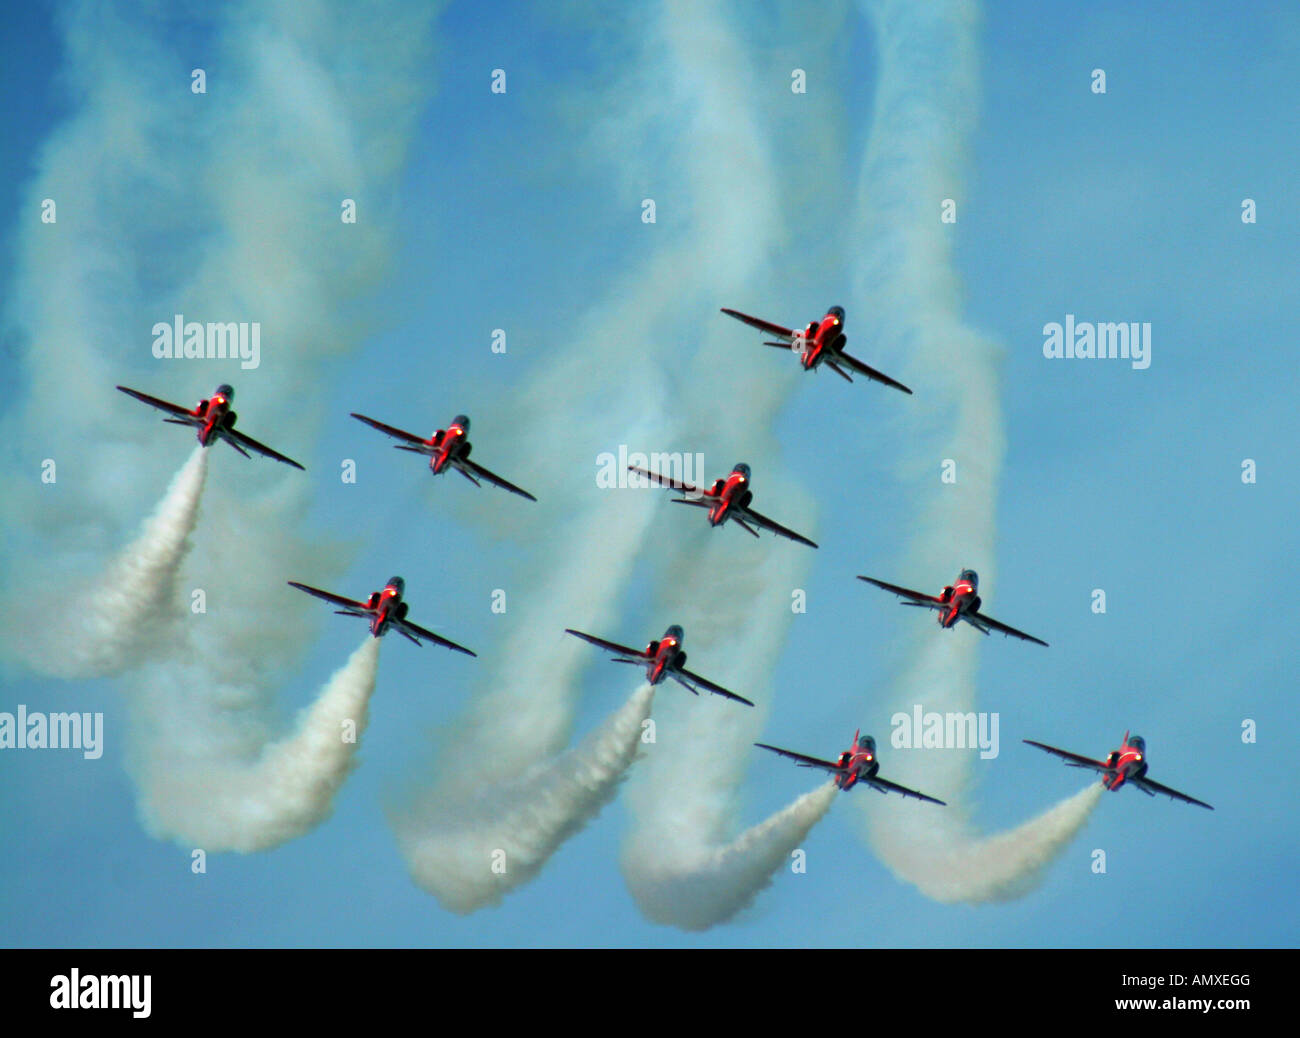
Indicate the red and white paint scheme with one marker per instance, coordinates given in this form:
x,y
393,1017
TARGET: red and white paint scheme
x,y
1127,765
821,342
858,763
958,601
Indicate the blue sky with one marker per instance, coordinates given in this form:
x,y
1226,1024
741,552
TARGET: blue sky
x,y
1118,207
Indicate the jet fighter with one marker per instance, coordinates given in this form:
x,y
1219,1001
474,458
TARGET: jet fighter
x,y
821,342
959,601
386,611
446,448
213,419
727,498
1128,764
663,658
856,764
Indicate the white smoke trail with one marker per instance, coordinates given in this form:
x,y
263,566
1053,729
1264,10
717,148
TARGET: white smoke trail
x,y
222,207
470,854
256,794
683,861
690,69
698,890
925,113
999,867
116,621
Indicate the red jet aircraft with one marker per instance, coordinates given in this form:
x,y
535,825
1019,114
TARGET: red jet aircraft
x,y
1127,764
446,448
959,601
727,498
386,611
821,342
662,659
856,764
214,420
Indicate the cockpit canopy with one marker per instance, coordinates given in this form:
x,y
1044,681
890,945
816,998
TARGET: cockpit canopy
x,y
676,632
463,422
398,583
837,311
866,742
1138,743
971,577
742,468
227,391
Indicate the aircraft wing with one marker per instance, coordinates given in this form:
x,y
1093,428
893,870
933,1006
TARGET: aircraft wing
x,y
801,760
999,626
777,528
915,596
761,325
894,787
162,405
717,690
1072,759
483,473
390,430
437,639
328,597
665,481
261,448
869,372
614,647
1156,787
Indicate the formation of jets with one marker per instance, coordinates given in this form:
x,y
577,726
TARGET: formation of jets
x,y
727,498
